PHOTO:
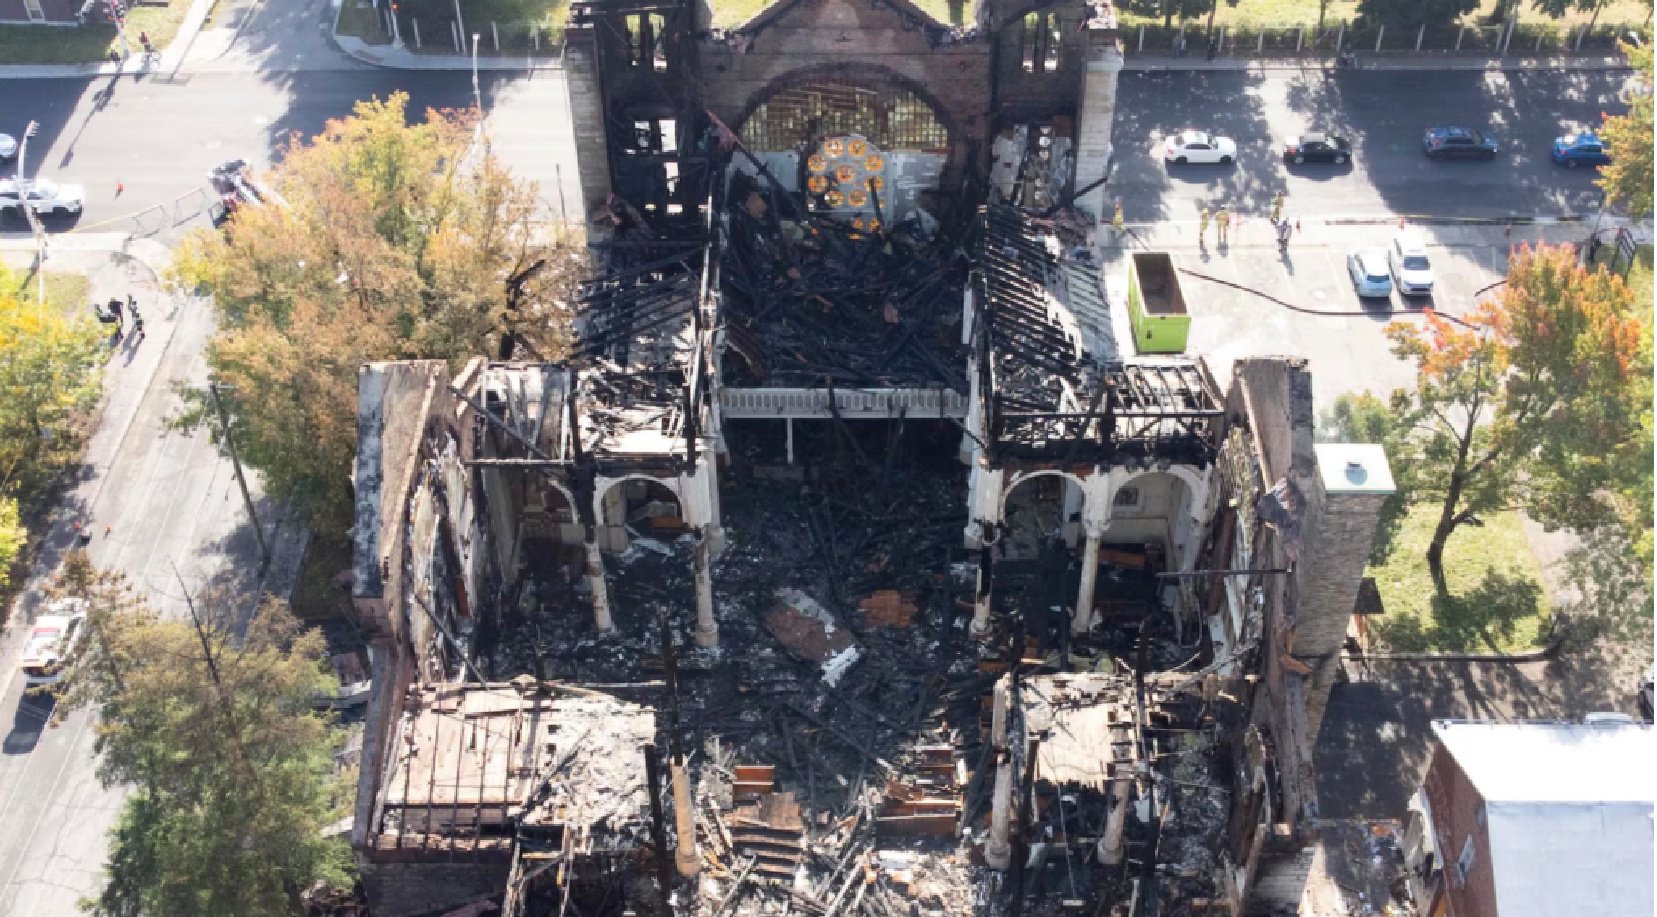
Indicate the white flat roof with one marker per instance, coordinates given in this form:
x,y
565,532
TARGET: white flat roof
x,y
1354,468
1568,810
1554,762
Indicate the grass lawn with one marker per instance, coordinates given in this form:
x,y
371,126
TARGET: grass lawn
x,y
34,44
363,21
1496,600
65,291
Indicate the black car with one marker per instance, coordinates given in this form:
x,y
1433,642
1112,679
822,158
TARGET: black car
x,y
1317,147
1458,143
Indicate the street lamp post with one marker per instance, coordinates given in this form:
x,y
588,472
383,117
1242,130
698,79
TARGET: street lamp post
x,y
477,96
23,187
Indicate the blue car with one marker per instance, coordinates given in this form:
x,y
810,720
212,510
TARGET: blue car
x,y
1458,143
1574,150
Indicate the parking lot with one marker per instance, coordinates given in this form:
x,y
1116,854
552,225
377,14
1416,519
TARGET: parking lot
x,y
1348,351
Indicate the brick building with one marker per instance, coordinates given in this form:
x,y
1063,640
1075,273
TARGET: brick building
x,y
1517,819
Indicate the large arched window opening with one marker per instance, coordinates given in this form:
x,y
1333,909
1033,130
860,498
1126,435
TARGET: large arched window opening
x,y
891,119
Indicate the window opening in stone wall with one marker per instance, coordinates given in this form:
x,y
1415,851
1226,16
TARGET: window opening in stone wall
x,y
658,43
1041,42
1126,498
897,120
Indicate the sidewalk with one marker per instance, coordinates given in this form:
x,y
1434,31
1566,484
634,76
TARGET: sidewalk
x,y
171,57
405,59
1152,60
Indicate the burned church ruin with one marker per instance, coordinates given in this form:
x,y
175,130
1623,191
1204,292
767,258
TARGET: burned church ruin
x,y
852,561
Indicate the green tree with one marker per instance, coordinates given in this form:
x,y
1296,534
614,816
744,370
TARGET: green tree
x,y
1522,404
12,538
50,371
1627,179
1414,13
230,768
397,241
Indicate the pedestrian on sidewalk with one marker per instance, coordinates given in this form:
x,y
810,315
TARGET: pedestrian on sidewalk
x,y
1222,224
1213,48
1116,222
1277,207
1179,46
1283,230
1202,229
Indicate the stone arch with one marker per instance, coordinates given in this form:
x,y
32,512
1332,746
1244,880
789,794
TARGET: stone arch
x,y
672,485
859,73
1195,482
1024,477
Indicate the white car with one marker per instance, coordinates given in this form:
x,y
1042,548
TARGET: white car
x,y
45,196
1196,146
1411,270
1370,275
8,146
54,635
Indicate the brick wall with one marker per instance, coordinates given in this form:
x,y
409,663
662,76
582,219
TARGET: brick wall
x,y
409,889
1456,804
1332,568
850,39
585,85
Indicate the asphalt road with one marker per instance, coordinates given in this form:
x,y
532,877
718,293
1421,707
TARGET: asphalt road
x,y
170,498
1384,114
159,138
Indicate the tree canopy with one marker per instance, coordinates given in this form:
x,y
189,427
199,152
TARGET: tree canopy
x,y
1528,401
396,241
1627,179
50,371
1414,13
231,770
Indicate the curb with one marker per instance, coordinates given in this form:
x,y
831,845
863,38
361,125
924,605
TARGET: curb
x,y
1402,65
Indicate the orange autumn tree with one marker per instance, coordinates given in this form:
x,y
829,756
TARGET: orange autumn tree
x,y
394,241
1528,402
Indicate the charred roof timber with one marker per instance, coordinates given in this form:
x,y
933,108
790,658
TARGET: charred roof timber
x,y
1050,397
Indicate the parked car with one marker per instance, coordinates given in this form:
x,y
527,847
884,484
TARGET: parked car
x,y
1458,143
45,196
54,635
1316,146
8,146
1200,147
1584,149
1411,269
1370,275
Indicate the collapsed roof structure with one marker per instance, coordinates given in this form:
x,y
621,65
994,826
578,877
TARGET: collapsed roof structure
x,y
852,558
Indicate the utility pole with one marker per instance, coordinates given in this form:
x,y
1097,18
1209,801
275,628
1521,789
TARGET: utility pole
x,y
23,186
241,479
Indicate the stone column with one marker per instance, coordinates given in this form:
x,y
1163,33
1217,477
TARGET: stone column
x,y
1097,110
998,850
981,600
1083,617
685,857
584,81
595,579
707,628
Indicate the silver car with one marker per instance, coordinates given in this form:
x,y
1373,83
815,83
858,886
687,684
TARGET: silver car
x,y
45,196
1370,276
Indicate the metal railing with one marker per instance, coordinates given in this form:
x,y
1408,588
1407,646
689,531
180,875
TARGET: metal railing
x,y
1514,38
